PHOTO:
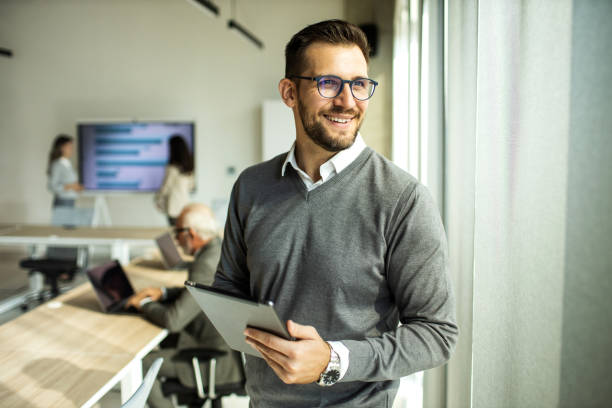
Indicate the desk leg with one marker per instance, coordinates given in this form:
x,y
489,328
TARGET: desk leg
x,y
131,381
121,251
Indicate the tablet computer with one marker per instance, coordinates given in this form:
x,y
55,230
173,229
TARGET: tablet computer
x,y
231,314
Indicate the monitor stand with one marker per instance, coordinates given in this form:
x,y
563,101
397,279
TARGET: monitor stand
x,y
101,214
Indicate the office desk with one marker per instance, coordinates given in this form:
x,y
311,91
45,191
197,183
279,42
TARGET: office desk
x,y
119,239
66,353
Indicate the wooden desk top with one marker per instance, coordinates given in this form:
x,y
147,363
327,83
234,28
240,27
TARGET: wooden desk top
x,y
110,233
61,353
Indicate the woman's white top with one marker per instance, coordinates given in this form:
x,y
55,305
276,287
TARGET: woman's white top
x,y
61,174
174,192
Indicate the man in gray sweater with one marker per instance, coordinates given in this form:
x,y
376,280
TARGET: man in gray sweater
x,y
349,247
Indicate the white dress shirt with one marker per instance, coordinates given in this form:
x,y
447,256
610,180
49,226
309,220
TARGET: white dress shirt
x,y
330,168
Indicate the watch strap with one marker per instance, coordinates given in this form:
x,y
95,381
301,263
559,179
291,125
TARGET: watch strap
x,y
331,374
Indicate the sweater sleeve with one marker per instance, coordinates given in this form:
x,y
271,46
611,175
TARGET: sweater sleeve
x,y
417,274
232,272
173,316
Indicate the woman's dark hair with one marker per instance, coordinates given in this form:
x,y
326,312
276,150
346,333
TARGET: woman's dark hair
x,y
335,32
56,149
179,154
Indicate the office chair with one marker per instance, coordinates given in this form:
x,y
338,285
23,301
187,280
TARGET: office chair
x,y
197,397
59,263
139,398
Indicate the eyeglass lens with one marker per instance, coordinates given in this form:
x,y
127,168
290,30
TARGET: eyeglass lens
x,y
330,87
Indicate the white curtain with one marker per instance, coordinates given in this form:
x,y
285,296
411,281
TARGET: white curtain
x,y
526,195
418,134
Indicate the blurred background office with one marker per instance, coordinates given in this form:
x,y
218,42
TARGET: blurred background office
x,y
501,108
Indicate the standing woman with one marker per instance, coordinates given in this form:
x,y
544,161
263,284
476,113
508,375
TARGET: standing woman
x,y
178,181
62,180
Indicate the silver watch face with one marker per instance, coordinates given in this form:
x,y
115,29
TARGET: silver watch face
x,y
330,377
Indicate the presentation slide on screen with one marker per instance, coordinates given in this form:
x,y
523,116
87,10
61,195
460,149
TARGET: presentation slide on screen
x,y
130,156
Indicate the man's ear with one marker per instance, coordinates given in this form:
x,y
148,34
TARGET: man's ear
x,y
192,233
288,92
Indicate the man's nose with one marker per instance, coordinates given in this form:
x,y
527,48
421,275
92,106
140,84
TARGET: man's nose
x,y
345,98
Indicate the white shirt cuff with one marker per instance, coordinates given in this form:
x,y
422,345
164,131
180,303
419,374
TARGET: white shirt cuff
x,y
164,295
145,301
343,353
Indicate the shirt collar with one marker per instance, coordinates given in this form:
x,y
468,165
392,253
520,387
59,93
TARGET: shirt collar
x,y
65,161
339,161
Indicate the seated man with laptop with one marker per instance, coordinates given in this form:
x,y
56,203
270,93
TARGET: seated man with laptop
x,y
176,310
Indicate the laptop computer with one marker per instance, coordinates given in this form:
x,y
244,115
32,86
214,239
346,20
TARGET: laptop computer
x,y
171,256
112,287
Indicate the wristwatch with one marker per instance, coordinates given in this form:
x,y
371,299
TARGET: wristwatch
x,y
331,374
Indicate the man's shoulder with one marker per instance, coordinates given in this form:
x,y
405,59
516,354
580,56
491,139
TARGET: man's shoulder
x,y
212,248
259,177
384,173
269,168
204,263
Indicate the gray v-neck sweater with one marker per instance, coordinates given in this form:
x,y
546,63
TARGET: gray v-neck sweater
x,y
353,258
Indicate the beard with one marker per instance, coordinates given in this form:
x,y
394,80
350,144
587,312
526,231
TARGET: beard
x,y
314,128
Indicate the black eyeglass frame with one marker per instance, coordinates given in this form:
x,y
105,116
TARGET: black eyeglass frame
x,y
177,231
342,82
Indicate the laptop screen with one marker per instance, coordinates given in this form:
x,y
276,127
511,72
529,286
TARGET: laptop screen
x,y
110,283
169,252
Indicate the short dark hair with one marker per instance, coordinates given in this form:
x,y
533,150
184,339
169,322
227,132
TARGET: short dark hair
x,y
329,32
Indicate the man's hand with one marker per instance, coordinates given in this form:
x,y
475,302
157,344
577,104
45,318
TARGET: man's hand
x,y
295,362
153,293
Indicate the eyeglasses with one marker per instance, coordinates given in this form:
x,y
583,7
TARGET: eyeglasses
x,y
330,86
177,231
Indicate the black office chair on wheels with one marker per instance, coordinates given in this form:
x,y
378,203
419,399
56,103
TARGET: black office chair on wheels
x,y
59,265
197,397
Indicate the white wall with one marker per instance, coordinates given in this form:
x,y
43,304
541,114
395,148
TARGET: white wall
x,y
277,128
137,59
376,128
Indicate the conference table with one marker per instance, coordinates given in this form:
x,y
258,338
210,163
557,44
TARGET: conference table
x,y
119,239
67,353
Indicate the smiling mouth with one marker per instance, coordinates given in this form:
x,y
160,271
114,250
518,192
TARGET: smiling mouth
x,y
338,120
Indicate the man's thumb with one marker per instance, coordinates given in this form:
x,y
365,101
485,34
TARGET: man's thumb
x,y
301,332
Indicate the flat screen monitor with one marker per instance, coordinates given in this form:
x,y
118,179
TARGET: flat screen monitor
x,y
129,156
